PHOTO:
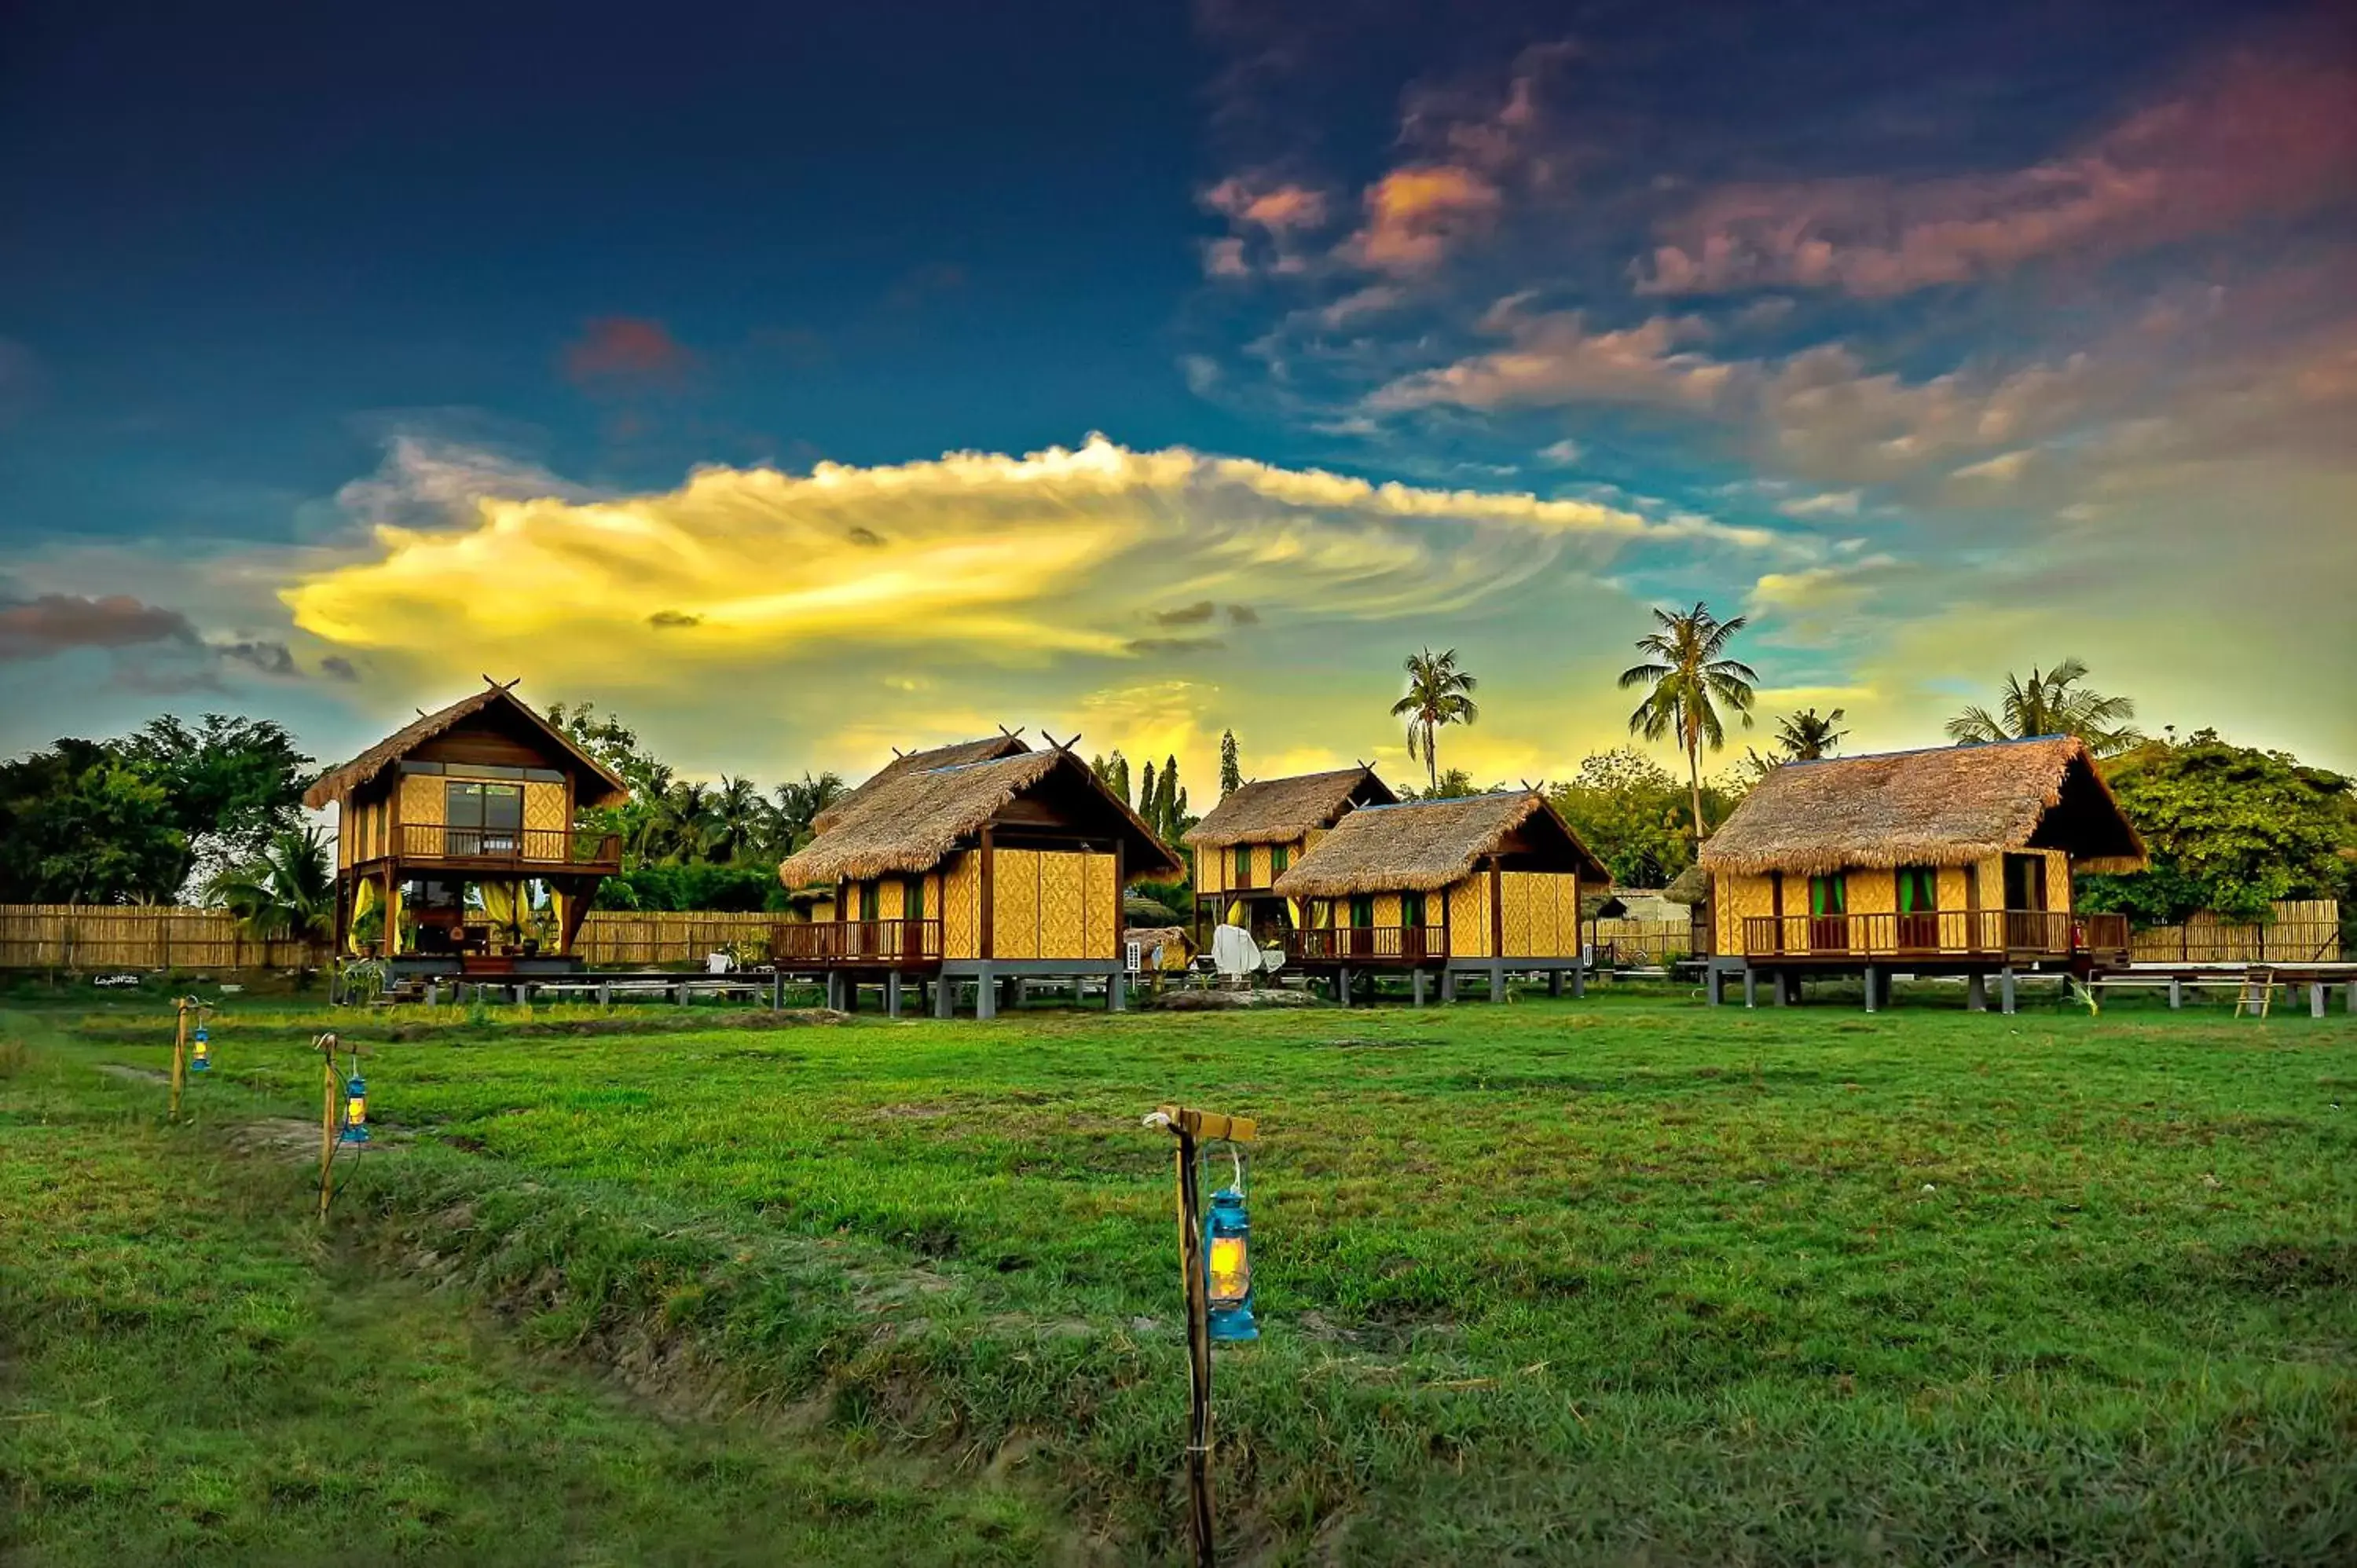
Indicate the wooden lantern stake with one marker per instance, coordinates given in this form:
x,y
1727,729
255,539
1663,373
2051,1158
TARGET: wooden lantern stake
x,y
179,1052
1190,1128
326,1045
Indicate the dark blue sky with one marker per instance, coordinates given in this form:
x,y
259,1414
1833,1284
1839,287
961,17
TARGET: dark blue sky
x,y
1880,284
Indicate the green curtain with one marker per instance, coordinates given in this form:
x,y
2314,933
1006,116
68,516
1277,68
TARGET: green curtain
x,y
1828,895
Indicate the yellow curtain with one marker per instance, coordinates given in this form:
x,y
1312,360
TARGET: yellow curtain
x,y
556,902
392,922
1236,913
363,900
499,904
1292,906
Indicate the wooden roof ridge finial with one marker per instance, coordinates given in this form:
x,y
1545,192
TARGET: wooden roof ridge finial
x,y
502,685
1015,733
1059,745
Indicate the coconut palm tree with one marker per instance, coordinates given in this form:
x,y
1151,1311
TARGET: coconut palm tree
x,y
1439,693
739,818
1805,737
287,889
799,804
1689,676
684,822
2051,703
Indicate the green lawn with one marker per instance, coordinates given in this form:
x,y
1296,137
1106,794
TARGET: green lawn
x,y
1602,1281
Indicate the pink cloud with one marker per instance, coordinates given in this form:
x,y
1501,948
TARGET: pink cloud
x,y
1416,215
52,623
615,348
1553,358
2256,138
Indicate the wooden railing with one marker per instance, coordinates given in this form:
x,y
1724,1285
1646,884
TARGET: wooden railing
x,y
1367,944
857,942
1934,933
512,846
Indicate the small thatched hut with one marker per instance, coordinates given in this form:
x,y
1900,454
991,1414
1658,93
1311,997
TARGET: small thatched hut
x,y
1957,859
1006,743
1257,831
1008,867
1485,885
457,841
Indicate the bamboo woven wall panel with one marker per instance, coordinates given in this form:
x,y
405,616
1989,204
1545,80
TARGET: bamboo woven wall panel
x,y
1063,916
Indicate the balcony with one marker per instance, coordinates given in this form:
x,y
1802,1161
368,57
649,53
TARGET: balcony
x,y
1367,944
516,849
1990,934
884,943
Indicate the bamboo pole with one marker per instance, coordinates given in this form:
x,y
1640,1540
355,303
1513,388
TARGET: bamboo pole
x,y
179,1052
327,1045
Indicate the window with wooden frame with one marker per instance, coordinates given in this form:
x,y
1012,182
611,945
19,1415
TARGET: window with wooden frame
x,y
1244,865
481,818
1278,859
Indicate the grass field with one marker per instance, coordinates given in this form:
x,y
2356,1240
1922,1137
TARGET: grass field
x,y
1610,1281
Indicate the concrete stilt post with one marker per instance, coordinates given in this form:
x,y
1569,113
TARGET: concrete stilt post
x,y
2176,994
1497,983
1447,984
986,995
1415,987
944,998
1555,983
1579,982
1873,985
432,994
2316,999
1976,993
2004,990
834,990
892,994
1343,987
1118,992
1750,986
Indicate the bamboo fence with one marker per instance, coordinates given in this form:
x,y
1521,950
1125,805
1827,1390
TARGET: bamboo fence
x,y
84,937
114,936
2301,932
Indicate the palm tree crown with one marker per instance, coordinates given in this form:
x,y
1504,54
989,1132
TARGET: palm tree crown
x,y
1805,737
1439,693
287,889
2051,703
1689,676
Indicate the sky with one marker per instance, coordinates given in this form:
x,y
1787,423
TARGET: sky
x,y
802,382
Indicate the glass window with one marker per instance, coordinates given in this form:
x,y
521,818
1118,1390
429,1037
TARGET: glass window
x,y
481,818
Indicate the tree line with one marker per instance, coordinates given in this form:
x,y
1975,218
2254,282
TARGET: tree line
x,y
211,813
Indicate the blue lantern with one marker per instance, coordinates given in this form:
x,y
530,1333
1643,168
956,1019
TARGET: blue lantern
x,y
355,1129
1227,1252
200,1052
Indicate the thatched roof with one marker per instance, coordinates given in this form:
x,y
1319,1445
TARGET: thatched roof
x,y
1690,886
1420,845
1278,810
912,821
1947,806
599,785
954,754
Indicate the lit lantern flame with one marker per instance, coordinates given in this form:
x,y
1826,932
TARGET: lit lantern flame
x,y
1227,1233
1231,1270
200,1052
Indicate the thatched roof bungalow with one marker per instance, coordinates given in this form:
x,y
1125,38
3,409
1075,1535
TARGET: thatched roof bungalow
x,y
1258,830
1006,743
1494,879
1017,860
484,795
1961,851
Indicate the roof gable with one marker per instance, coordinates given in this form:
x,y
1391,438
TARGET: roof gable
x,y
1420,845
913,820
1942,806
1276,811
596,784
990,748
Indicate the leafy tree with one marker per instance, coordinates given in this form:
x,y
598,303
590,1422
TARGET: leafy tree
x,y
1805,737
1149,801
1689,675
108,837
2229,829
2051,703
286,889
615,744
1439,693
1629,811
1232,773
683,824
1453,785
230,785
